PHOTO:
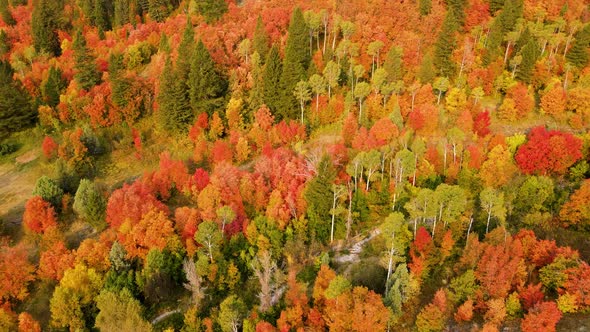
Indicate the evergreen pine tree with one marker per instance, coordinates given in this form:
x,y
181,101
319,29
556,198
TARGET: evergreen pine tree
x,y
511,12
271,80
207,85
121,12
427,71
523,39
496,5
44,25
4,43
53,86
159,9
458,9
87,74
443,51
260,39
103,12
578,53
5,13
318,195
175,112
186,50
120,85
393,64
256,95
295,64
212,10
90,204
164,44
16,112
503,23
530,53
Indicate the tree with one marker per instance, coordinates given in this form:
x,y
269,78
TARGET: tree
x,y
578,54
194,281
361,91
121,12
543,317
432,317
90,204
209,236
5,13
441,84
55,261
153,231
425,6
73,297
231,313
318,86
270,277
212,10
318,194
492,202
295,63
39,215
358,309
45,22
16,112
26,323
397,236
303,95
444,46
226,214
272,78
548,152
15,273
120,312
499,168
87,75
332,75
576,211
48,190
530,53
53,86
159,9
207,85
260,40
175,110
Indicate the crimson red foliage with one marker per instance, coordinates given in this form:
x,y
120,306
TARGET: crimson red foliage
x,y
39,215
548,151
131,202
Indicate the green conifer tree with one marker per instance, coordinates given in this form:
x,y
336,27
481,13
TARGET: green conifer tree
x,y
530,53
90,204
186,50
443,49
5,13
53,86
16,112
121,12
212,10
458,9
159,9
271,80
295,64
103,11
206,83
44,25
578,53
393,64
318,195
260,40
4,43
523,39
87,75
175,111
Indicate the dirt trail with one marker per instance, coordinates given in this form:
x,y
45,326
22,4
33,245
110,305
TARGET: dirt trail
x,y
15,189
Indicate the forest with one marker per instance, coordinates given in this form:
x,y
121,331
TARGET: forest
x,y
290,165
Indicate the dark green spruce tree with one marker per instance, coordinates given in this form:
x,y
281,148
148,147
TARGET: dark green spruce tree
x,y
4,43
318,195
53,86
159,9
530,53
260,40
175,113
271,80
207,85
295,65
445,44
523,39
496,5
186,50
87,75
578,53
44,25
503,23
212,10
458,9
393,64
120,85
103,11
5,13
16,112
121,12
